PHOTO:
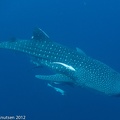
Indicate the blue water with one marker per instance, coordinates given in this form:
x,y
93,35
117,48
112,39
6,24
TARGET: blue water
x,y
92,25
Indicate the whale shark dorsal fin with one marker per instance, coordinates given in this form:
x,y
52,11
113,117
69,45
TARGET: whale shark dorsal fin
x,y
80,51
39,34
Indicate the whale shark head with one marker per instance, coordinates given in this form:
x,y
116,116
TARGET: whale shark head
x,y
71,66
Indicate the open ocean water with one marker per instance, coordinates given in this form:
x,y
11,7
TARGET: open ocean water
x,y
91,25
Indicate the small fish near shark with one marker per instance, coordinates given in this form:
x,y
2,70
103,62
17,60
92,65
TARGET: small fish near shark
x,y
71,66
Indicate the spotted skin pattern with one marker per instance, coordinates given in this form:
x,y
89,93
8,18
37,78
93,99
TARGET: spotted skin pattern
x,y
71,66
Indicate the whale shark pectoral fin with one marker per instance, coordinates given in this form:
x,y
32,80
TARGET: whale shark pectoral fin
x,y
80,51
54,78
39,34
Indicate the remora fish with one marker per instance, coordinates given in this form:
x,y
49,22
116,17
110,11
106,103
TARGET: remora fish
x,y
71,66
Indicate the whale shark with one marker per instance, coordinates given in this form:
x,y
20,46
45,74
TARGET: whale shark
x,y
70,66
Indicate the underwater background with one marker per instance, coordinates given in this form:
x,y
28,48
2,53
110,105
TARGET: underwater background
x,y
91,25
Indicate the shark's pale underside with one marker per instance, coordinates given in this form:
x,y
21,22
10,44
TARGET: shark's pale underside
x,y
71,66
